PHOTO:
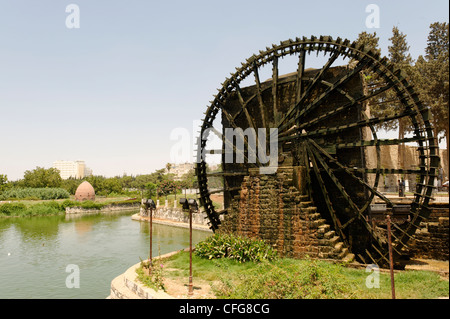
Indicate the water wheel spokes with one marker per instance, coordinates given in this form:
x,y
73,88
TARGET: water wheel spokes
x,y
328,119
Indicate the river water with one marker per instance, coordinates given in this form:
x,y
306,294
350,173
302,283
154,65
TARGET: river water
x,y
40,256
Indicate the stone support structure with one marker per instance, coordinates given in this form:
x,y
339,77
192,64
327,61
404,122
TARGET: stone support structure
x,y
276,209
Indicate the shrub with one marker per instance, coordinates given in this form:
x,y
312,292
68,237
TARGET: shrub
x,y
44,209
68,203
40,209
35,193
12,209
239,248
125,202
90,205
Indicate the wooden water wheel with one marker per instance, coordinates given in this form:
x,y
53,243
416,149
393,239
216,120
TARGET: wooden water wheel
x,y
328,120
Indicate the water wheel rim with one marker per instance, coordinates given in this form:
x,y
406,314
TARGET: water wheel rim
x,y
394,78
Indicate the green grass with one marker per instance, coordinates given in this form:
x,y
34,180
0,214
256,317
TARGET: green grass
x,y
156,280
300,279
26,208
19,209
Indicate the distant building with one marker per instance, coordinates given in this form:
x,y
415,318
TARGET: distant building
x,y
178,170
74,169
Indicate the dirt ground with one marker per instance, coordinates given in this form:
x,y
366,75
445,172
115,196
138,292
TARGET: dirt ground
x,y
439,266
179,288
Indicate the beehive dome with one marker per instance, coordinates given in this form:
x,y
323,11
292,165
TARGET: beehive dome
x,y
85,192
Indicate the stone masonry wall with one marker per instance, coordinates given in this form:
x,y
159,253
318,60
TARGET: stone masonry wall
x,y
105,209
177,215
431,241
272,208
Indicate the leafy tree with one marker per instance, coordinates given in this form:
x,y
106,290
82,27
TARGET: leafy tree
x,y
156,177
126,181
97,183
71,184
111,185
105,186
3,182
151,190
399,51
189,179
184,185
166,187
370,41
41,177
431,76
399,56
140,181
160,175
386,104
376,105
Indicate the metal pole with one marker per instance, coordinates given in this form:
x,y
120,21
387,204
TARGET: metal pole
x,y
151,242
391,260
190,293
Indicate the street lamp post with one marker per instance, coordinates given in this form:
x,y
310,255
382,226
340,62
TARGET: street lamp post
x,y
391,259
192,206
149,206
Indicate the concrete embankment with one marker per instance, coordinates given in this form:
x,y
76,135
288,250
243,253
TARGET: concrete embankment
x,y
175,217
104,209
127,286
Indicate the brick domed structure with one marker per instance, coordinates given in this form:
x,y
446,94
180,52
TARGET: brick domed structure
x,y
85,192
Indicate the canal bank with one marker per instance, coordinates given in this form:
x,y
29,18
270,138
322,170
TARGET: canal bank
x,y
174,216
109,208
171,222
126,285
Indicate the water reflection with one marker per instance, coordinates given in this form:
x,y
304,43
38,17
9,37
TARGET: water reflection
x,y
169,235
37,229
102,245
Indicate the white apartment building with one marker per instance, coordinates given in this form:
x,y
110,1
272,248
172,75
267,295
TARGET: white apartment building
x,y
74,169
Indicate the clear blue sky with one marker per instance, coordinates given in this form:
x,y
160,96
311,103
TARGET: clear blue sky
x,y
111,92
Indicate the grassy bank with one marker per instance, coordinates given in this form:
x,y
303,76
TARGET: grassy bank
x,y
299,279
21,209
54,207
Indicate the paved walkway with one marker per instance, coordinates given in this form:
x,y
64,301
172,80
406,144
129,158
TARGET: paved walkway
x,y
439,266
169,222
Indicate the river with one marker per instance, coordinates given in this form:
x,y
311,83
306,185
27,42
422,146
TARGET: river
x,y
39,255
